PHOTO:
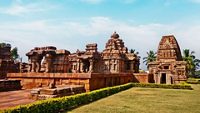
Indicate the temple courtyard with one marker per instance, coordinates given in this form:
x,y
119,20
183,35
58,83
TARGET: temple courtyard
x,y
146,100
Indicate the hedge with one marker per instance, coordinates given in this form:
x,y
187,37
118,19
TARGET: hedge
x,y
193,81
65,103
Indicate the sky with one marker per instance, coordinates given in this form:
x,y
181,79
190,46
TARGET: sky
x,y
71,24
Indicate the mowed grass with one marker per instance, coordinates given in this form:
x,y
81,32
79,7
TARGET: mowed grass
x,y
147,100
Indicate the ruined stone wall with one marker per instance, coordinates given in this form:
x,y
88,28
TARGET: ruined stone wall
x,y
7,64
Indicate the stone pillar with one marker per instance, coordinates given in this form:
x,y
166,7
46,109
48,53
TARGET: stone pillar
x,y
38,66
91,65
48,63
33,64
131,66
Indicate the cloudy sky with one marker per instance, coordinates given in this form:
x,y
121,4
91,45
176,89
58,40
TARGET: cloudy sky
x,y
71,24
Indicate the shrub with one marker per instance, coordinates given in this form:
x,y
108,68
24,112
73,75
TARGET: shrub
x,y
64,103
193,81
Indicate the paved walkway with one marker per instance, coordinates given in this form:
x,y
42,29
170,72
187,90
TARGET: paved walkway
x,y
14,98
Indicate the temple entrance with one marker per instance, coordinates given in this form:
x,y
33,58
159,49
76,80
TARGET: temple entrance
x,y
163,78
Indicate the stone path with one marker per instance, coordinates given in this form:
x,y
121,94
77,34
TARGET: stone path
x,y
14,98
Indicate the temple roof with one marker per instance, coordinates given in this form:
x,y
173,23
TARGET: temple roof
x,y
169,49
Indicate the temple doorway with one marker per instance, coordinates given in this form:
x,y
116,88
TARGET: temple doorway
x,y
163,78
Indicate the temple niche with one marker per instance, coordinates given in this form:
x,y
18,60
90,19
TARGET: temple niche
x,y
48,59
169,67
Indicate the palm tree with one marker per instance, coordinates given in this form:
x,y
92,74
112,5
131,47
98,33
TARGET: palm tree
x,y
192,63
151,56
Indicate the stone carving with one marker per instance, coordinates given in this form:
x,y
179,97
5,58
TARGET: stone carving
x,y
169,66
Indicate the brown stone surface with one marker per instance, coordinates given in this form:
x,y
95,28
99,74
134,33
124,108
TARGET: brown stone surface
x,y
141,77
169,68
91,81
8,85
7,64
14,98
48,59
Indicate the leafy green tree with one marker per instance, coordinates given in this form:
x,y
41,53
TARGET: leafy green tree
x,y
14,53
151,56
192,63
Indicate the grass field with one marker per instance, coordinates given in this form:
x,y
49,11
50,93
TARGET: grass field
x,y
147,100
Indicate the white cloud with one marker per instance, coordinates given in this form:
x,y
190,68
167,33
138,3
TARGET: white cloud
x,y
17,8
74,35
195,1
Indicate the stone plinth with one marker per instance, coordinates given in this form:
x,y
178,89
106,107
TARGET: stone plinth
x,y
45,93
7,85
91,81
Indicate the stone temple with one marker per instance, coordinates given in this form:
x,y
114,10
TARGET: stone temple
x,y
115,65
169,67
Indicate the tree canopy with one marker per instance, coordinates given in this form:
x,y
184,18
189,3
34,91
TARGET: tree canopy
x,y
151,56
192,62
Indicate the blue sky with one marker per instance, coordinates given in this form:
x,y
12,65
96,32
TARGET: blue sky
x,y
71,24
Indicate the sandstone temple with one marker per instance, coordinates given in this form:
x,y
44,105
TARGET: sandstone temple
x,y
169,67
115,65
115,58
91,69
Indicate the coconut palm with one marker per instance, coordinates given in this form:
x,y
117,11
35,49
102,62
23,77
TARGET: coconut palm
x,y
151,56
192,63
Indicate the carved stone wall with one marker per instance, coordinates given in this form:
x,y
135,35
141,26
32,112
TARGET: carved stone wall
x,y
48,59
169,68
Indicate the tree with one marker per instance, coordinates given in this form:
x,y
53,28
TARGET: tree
x,y
2,45
14,53
151,56
192,63
134,52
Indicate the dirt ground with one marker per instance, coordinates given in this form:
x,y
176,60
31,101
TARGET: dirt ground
x,y
14,98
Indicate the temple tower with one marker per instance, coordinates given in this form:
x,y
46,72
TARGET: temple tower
x,y
169,67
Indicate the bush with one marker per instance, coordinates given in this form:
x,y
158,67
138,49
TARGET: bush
x,y
171,86
193,81
65,103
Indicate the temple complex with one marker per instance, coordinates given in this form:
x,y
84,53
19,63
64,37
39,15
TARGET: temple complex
x,y
169,67
115,58
92,69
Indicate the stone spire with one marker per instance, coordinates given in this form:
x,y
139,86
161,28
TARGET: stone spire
x,y
115,35
169,49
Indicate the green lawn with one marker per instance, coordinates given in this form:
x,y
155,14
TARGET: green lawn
x,y
147,100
